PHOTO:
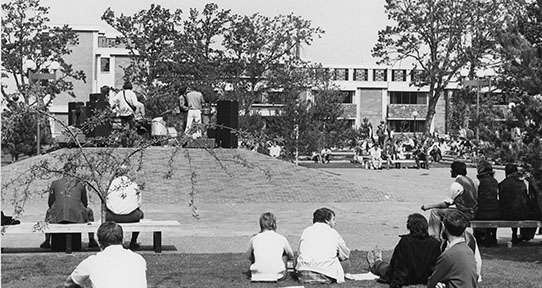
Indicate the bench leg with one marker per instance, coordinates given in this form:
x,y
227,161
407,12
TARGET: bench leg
x,y
68,243
157,241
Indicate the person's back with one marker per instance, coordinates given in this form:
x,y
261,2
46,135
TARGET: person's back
x,y
420,255
459,267
467,202
194,100
513,198
67,202
113,267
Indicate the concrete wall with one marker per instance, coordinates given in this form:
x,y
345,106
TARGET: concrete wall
x,y
371,102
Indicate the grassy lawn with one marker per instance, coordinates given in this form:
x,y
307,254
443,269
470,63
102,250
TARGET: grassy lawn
x,y
502,267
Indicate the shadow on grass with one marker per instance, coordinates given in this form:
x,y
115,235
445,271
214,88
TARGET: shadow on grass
x,y
502,267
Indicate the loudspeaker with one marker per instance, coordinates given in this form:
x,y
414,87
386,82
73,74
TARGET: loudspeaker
x,y
104,129
76,113
227,120
58,242
97,97
227,114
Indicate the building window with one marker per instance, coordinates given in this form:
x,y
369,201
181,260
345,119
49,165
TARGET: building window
x,y
407,126
408,98
340,74
361,74
398,75
347,96
104,64
380,75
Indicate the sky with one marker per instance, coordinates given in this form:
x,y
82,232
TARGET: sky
x,y
350,26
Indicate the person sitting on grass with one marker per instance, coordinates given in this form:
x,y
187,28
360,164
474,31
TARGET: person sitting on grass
x,y
114,266
456,266
323,254
269,251
413,258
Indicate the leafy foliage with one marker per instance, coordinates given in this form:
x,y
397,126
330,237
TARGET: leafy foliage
x,y
441,38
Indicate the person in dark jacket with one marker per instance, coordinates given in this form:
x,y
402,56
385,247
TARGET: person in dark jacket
x,y
488,203
413,258
68,203
513,198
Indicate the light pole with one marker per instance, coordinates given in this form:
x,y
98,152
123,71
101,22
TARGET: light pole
x,y
30,66
415,115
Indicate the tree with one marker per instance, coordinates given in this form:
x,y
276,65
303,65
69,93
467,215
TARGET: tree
x,y
258,46
26,36
441,37
521,43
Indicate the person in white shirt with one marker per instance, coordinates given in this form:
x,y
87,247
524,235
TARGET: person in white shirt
x,y
376,156
195,102
269,251
126,106
323,254
114,266
123,202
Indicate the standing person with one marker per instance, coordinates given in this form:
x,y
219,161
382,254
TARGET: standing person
x,y
68,203
513,200
182,109
413,258
123,201
323,254
456,266
126,106
463,195
269,251
382,133
488,204
114,266
194,102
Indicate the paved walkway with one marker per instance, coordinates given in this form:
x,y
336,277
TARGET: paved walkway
x,y
226,226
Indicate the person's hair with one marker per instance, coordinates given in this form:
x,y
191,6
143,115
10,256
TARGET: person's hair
x,y
417,225
268,221
127,85
182,90
460,168
322,215
455,222
104,90
510,168
109,233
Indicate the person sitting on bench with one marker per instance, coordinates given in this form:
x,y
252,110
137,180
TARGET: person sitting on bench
x,y
123,201
68,203
513,201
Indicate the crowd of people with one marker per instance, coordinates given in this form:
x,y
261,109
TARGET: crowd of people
x,y
438,252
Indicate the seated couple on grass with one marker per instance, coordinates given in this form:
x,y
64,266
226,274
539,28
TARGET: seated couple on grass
x,y
417,258
323,254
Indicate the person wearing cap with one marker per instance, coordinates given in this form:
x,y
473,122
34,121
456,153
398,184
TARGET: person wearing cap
x,y
123,202
488,203
463,197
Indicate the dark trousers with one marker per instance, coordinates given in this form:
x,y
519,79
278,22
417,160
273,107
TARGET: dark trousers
x,y
134,216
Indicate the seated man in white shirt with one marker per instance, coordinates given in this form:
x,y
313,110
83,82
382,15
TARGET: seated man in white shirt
x,y
123,201
114,266
323,255
269,251
376,157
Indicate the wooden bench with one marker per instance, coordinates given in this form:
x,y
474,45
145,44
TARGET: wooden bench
x,y
156,227
484,224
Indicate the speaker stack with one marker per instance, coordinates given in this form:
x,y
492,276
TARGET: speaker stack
x,y
227,120
96,105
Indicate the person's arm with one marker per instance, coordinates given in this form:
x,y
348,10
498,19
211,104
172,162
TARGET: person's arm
x,y
440,273
344,251
69,283
51,198
426,207
288,249
250,251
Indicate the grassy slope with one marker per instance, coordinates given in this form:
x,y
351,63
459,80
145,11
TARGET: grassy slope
x,y
502,267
